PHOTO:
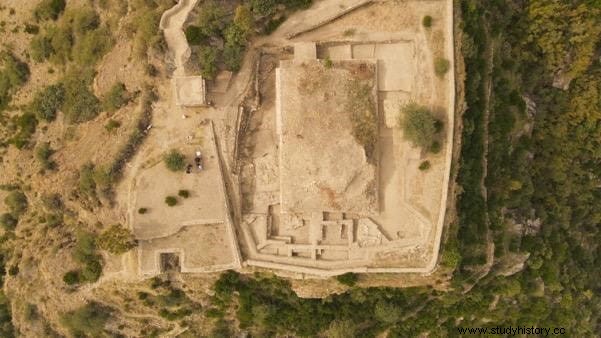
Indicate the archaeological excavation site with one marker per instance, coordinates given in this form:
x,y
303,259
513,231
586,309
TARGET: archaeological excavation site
x,y
301,161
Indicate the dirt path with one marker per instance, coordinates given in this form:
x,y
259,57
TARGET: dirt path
x,y
172,23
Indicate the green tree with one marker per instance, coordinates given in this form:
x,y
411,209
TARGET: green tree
x,y
418,124
43,153
8,221
207,57
171,201
441,66
341,329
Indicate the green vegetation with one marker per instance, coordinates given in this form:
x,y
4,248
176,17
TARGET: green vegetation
x,y
47,102
25,125
349,278
43,153
90,261
145,25
112,125
13,74
418,124
78,36
441,66
116,98
171,201
361,107
16,202
207,57
142,211
117,240
80,104
427,21
8,222
49,9
170,302
183,193
88,321
175,161
425,165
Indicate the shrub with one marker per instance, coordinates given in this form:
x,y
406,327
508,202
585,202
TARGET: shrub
x,y
183,193
8,222
111,125
47,102
116,98
195,35
327,62
211,18
342,329
435,147
16,202
80,104
417,123
425,165
117,240
263,7
85,253
441,66
32,29
49,9
386,312
92,46
26,127
349,32
86,183
171,201
61,41
13,74
438,126
88,320
43,153
142,211
349,278
427,21
207,57
83,19
40,48
175,161
232,56
53,202
71,277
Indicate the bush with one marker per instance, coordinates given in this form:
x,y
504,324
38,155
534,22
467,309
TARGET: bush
x,y
43,153
111,125
441,66
49,9
386,312
195,35
425,165
80,104
8,222
16,202
116,98
183,193
26,127
40,48
171,201
71,277
47,102
117,240
85,253
427,21
88,320
207,57
211,18
13,74
92,46
232,56
435,147
417,123
349,278
142,211
175,161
